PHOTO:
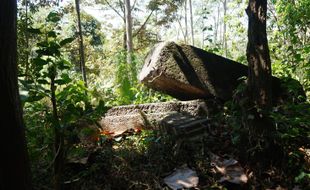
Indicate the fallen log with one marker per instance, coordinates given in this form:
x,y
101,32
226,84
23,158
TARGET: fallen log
x,y
186,73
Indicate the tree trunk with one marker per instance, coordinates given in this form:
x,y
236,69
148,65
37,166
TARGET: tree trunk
x,y
217,20
224,28
128,31
185,19
259,79
81,49
261,131
58,139
191,20
27,42
203,34
15,170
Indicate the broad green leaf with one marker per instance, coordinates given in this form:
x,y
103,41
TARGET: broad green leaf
x,y
297,57
34,30
64,64
42,52
42,44
54,48
53,17
62,81
66,41
66,77
52,34
42,81
39,61
34,98
302,176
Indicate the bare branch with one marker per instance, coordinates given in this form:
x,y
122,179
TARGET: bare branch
x,y
133,5
142,26
181,27
116,11
121,5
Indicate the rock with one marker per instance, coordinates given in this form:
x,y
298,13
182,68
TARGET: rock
x,y
183,125
149,116
186,73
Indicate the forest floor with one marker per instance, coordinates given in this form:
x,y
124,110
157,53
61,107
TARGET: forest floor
x,y
142,159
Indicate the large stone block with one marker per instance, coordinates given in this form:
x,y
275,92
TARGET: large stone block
x,y
186,73
121,118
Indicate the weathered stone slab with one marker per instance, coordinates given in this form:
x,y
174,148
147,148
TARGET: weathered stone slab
x,y
186,73
184,125
145,116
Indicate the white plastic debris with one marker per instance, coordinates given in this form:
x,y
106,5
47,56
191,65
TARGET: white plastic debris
x,y
182,178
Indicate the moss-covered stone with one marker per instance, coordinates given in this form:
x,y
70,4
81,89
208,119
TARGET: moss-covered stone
x,y
186,72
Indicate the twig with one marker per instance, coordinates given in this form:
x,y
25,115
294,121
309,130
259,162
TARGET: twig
x,y
142,26
116,11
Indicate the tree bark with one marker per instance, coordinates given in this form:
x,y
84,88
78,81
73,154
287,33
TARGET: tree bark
x,y
216,23
185,20
259,76
192,22
27,42
58,139
81,45
224,28
128,31
15,170
261,130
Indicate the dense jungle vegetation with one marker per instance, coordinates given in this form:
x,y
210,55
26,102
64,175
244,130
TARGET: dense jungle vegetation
x,y
78,58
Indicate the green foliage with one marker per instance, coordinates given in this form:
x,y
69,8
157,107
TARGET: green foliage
x,y
52,55
124,79
146,95
48,64
140,141
90,28
51,82
289,43
128,90
72,101
292,123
